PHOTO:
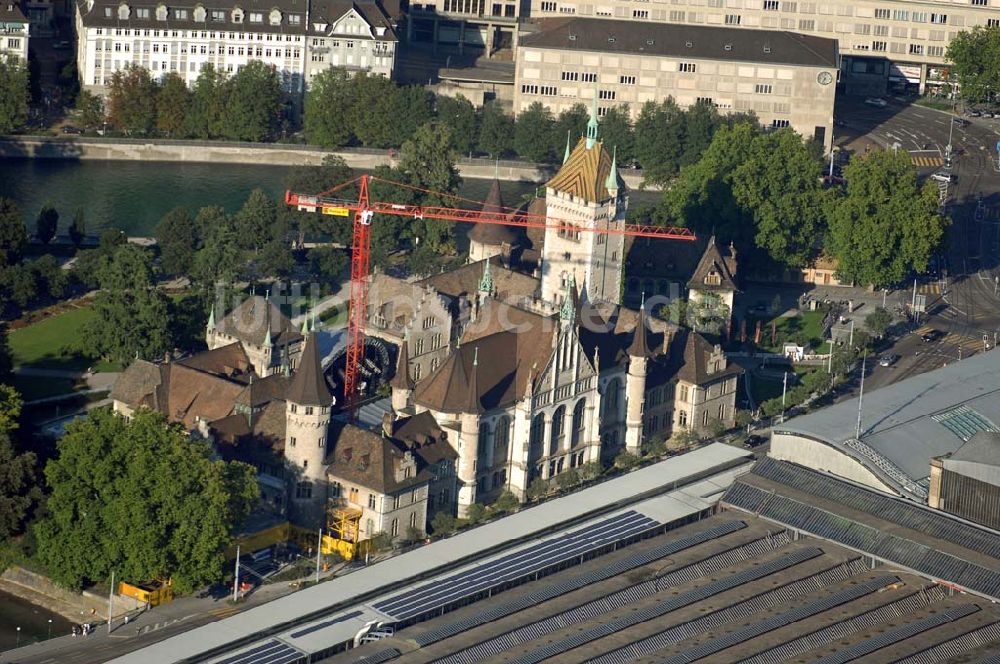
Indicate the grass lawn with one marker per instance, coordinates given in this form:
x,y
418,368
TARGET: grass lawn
x,y
334,316
43,344
807,327
36,387
931,102
766,388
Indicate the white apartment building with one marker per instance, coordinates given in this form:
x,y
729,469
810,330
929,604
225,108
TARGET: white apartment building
x,y
901,42
787,79
296,37
14,30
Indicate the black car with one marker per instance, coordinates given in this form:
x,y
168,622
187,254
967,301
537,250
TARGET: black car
x,y
932,335
70,129
960,122
754,441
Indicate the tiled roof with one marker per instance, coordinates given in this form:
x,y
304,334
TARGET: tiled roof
x,y
422,435
694,367
496,316
309,386
585,173
493,234
193,395
401,379
370,460
263,390
249,322
713,262
683,41
137,385
10,12
509,284
230,360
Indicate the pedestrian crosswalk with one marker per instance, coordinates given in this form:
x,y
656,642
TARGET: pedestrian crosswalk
x,y
966,343
926,160
225,611
932,288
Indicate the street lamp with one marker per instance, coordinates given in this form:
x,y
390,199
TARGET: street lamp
x,y
18,638
50,628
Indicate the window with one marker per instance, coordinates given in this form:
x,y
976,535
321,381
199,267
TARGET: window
x,y
395,502
309,410
705,100
548,6
682,418
935,51
881,13
993,22
939,18
777,124
305,464
771,5
676,17
322,441
763,88
218,16
640,13
570,75
683,394
732,19
807,24
303,490
979,3
722,412
919,17
294,19
900,15
371,500
413,519
142,12
879,46
626,80
588,77
688,67
548,90
181,14
529,89
704,419
256,17
916,49
394,529
606,94
291,441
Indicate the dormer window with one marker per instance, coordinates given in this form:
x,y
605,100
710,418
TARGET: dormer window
x,y
181,14
295,19
713,278
256,17
161,12
108,12
218,16
237,15
142,12
123,12
274,18
199,14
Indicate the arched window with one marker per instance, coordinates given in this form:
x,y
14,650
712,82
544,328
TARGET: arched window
x,y
612,396
501,436
578,423
484,442
304,490
558,432
535,437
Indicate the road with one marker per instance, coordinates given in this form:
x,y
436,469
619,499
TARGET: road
x,y
963,305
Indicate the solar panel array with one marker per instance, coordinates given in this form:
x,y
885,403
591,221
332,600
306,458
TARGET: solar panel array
x,y
843,629
754,630
272,652
740,611
884,545
550,591
482,578
326,623
679,601
896,510
614,600
894,636
977,638
379,657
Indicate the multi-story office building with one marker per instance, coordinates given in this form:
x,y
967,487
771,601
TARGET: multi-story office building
x,y
14,30
298,38
787,79
899,41
480,24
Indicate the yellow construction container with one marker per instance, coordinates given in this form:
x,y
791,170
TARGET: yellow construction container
x,y
151,594
343,525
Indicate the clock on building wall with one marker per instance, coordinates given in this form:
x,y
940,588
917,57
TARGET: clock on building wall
x,y
825,78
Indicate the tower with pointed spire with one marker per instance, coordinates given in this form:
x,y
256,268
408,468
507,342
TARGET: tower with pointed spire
x,y
267,336
586,193
488,240
468,447
635,383
401,382
308,403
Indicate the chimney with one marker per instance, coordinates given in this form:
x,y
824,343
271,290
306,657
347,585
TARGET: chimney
x,y
387,424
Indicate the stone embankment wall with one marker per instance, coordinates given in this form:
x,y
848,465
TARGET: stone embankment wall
x,y
77,607
275,154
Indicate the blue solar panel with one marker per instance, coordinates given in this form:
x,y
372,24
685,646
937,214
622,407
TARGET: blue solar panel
x,y
482,577
324,624
272,652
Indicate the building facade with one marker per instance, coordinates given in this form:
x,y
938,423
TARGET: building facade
x,y
786,79
898,41
298,38
15,30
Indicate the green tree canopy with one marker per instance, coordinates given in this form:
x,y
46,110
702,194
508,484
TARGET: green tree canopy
x,y
617,135
13,234
571,122
78,229
458,114
253,103
659,152
331,172
46,223
13,93
140,498
878,321
209,97
975,55
496,130
427,161
371,113
90,108
177,237
18,489
533,133
132,100
887,224
221,258
173,101
328,102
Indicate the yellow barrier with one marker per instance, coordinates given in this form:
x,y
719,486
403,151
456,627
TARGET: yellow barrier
x,y
153,593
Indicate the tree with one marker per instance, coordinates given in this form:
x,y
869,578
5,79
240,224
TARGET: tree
x,y
132,100
443,523
13,93
886,225
78,229
18,282
142,498
496,130
327,105
590,471
878,321
409,108
625,460
505,502
700,124
708,314
132,316
459,115
571,123
661,126
568,479
538,489
975,55
49,277
476,513
18,489
327,264
177,237
617,135
533,133
173,101
253,103
654,447
207,113
13,234
46,223
427,161
371,114
262,233
90,108
779,181
314,180
221,257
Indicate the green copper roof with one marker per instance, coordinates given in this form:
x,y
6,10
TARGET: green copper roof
x,y
592,123
568,309
612,181
211,318
566,154
486,283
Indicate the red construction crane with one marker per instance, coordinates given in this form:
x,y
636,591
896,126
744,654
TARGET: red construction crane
x,y
365,209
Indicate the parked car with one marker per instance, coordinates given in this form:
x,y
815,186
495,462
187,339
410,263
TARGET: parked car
x,y
960,122
972,113
932,335
876,101
944,175
754,441
888,360
70,129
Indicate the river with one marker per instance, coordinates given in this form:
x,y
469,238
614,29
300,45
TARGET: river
x,y
33,621
132,196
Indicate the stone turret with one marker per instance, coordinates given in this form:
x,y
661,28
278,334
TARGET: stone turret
x,y
401,383
308,402
469,448
488,240
635,384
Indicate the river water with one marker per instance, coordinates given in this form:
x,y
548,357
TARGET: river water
x,y
33,621
132,196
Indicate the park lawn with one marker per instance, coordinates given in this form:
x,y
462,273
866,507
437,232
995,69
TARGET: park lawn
x,y
807,326
48,343
766,388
